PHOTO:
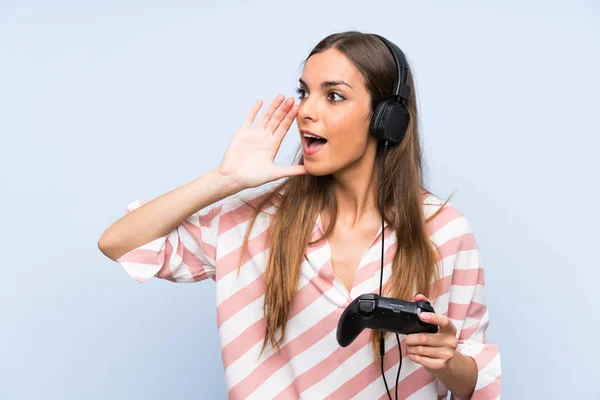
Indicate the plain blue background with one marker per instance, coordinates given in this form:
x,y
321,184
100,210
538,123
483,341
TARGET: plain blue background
x,y
102,103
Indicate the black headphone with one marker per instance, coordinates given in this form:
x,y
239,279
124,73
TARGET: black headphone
x,y
390,117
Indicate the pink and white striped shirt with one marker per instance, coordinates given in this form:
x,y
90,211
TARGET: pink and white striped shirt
x,y
311,364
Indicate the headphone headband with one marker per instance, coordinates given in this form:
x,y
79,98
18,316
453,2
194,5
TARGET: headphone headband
x,y
401,90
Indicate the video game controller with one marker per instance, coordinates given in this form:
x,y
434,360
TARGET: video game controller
x,y
382,313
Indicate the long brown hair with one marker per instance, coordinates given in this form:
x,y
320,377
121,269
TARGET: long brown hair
x,y
300,198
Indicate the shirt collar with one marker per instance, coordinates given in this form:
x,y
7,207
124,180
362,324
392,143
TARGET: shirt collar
x,y
319,224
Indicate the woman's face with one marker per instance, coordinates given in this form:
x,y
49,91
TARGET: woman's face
x,y
335,105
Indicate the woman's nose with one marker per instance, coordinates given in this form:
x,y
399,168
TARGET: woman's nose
x,y
307,109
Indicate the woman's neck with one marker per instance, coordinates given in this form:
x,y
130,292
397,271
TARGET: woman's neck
x,y
354,190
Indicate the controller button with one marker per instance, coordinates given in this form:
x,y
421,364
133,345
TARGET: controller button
x,y
366,306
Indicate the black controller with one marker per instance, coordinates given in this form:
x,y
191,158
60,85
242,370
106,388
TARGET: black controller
x,y
383,314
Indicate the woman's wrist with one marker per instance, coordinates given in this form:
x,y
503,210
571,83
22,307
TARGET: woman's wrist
x,y
460,376
226,182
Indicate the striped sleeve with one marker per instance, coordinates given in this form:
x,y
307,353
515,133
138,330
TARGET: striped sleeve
x,y
467,307
187,254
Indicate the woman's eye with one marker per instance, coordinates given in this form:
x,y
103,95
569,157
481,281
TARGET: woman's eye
x,y
301,92
330,96
337,94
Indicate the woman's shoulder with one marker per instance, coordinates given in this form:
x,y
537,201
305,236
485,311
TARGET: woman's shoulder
x,y
443,219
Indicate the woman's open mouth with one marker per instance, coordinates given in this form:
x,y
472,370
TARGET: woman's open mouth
x,y
311,145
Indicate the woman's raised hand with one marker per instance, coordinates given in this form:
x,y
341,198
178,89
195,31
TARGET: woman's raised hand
x,y
249,160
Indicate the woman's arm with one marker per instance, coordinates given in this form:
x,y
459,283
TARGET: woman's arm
x,y
438,353
461,375
162,215
459,354
247,163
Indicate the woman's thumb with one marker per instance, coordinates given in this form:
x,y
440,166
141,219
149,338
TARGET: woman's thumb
x,y
420,297
291,170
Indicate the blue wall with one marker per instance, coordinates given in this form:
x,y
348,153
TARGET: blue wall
x,y
105,103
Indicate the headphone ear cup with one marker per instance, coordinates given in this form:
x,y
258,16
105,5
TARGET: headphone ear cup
x,y
389,122
374,128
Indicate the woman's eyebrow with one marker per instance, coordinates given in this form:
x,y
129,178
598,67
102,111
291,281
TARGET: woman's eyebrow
x,y
325,84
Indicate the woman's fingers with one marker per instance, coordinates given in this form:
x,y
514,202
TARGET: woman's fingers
x,y
425,339
273,116
252,113
271,110
291,170
421,297
432,352
279,115
433,340
440,320
434,364
287,121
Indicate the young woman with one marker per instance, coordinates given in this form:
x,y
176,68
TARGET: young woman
x,y
288,261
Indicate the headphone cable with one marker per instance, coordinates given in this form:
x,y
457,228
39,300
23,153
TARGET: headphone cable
x,y
381,339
